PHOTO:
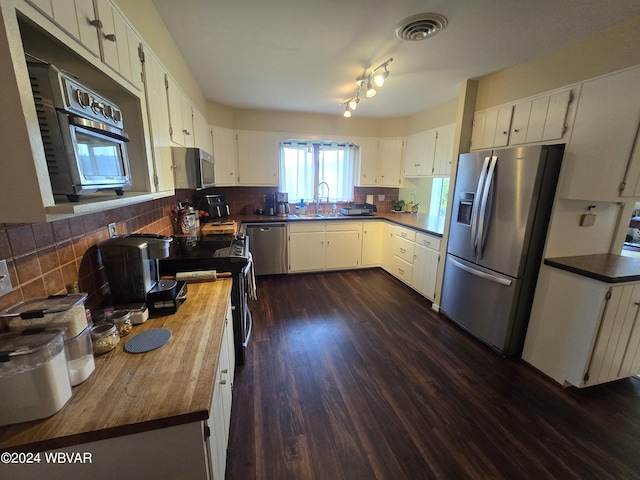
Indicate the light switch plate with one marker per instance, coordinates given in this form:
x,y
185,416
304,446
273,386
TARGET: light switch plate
x,y
113,231
5,280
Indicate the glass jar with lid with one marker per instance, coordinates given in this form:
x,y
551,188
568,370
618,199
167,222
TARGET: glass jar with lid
x,y
122,320
105,338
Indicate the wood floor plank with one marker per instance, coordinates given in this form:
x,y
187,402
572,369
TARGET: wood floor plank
x,y
352,375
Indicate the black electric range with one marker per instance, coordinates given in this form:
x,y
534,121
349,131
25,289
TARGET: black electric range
x,y
222,253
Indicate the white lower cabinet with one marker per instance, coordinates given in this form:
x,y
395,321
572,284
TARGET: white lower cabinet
x,y
318,245
426,256
412,256
583,331
372,235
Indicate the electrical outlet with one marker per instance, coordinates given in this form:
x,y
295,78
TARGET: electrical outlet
x,y
113,231
381,197
587,219
5,280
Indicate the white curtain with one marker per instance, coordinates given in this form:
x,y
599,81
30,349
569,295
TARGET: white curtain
x,y
334,163
337,168
297,170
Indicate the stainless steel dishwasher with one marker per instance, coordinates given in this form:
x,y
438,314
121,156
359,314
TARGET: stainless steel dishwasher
x,y
268,245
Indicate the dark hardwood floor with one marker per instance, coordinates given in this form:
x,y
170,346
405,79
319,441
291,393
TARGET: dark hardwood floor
x,y
351,375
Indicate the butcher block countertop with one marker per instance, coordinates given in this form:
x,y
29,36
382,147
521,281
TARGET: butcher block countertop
x,y
606,267
131,393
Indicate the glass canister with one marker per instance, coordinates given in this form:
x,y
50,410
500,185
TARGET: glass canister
x,y
104,338
122,320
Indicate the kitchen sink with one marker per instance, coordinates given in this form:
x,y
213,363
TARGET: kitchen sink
x,y
306,215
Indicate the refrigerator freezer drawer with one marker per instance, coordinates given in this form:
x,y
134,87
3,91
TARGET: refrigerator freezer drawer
x,y
483,303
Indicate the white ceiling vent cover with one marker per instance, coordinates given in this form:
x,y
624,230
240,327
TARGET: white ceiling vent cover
x,y
420,27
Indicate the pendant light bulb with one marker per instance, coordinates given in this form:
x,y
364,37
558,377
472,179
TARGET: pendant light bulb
x,y
353,103
371,92
347,112
381,77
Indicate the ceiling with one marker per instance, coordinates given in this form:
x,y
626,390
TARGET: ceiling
x,y
305,55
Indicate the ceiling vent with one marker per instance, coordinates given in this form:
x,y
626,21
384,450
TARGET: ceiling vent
x,y
420,27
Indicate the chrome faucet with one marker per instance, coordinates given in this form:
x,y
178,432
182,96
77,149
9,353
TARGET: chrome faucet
x,y
318,197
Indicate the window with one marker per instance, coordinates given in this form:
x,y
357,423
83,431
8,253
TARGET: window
x,y
304,165
439,194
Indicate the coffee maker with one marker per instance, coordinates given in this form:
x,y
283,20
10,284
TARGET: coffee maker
x,y
131,263
270,201
282,204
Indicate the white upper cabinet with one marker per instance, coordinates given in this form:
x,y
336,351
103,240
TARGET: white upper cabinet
x,y
602,160
430,153
202,132
180,115
445,143
542,118
225,154
259,157
158,115
419,154
368,157
389,165
77,18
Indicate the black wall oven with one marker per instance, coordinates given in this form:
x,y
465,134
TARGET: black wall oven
x,y
223,253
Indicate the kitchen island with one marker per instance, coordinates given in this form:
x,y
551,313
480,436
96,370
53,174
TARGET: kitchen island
x,y
144,414
583,329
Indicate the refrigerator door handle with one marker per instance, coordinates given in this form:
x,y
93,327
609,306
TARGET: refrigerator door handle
x,y
476,206
483,221
478,273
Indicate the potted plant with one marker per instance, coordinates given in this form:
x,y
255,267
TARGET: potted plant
x,y
397,205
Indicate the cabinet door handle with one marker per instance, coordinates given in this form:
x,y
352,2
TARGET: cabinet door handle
x,y
515,130
95,23
225,371
504,132
637,304
223,382
402,250
401,271
110,36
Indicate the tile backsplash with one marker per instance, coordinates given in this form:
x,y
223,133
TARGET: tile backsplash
x,y
43,258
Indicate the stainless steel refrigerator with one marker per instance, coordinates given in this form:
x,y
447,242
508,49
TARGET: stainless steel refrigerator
x,y
502,204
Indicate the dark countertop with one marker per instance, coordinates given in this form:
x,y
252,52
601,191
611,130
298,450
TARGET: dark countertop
x,y
419,221
606,267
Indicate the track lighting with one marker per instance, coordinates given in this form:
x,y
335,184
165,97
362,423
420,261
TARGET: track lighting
x,y
366,82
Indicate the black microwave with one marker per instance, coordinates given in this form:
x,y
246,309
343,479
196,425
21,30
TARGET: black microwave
x,y
193,168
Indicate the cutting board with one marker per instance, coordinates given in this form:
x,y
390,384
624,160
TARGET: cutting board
x,y
213,228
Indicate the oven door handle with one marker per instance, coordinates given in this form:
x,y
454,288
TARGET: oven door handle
x,y
246,340
99,127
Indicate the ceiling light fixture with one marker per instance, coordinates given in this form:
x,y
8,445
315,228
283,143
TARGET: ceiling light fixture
x,y
366,82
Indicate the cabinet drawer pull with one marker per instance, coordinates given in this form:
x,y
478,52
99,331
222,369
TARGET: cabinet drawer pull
x,y
400,271
403,235
402,250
